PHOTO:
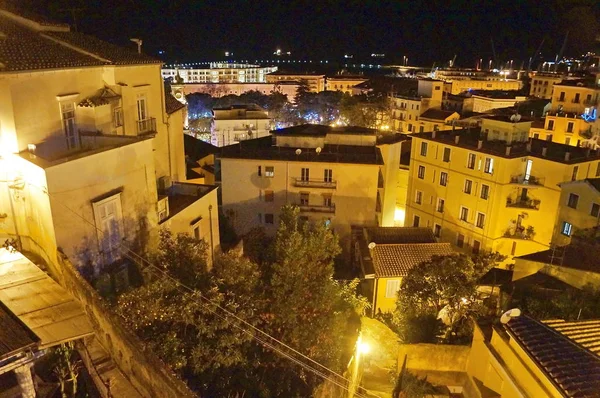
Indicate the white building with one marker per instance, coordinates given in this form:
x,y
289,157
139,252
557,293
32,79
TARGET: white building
x,y
220,72
239,122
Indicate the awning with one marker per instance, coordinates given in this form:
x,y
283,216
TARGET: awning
x,y
40,302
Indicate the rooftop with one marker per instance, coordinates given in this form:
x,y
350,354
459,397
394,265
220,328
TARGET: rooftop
x,y
15,336
436,114
572,368
197,149
579,256
263,149
182,195
469,137
496,277
38,44
347,77
320,130
497,94
393,260
247,107
172,105
585,82
287,73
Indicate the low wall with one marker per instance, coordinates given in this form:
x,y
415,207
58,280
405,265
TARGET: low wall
x,y
150,376
434,357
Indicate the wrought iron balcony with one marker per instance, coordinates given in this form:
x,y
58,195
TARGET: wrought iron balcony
x,y
520,232
523,203
316,183
531,180
146,125
316,208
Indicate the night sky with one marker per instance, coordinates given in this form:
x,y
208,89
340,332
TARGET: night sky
x,y
426,32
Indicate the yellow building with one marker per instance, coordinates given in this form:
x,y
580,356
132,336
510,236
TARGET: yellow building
x,y
386,255
436,119
490,187
344,83
528,358
579,207
542,84
343,176
315,81
408,109
573,112
236,123
88,141
455,85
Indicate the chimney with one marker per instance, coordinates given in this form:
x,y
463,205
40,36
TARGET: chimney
x,y
507,150
544,150
433,134
588,151
567,156
456,139
528,146
479,144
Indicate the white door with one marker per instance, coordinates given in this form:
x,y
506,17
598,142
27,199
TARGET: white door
x,y
142,107
109,221
67,111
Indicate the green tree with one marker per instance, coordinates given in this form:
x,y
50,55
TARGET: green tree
x,y
446,284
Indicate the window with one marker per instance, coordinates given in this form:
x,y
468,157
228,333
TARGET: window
x,y
423,148
566,229
269,218
443,178
196,231
109,225
549,137
489,166
513,249
259,171
573,199
536,135
550,125
471,161
595,210
305,174
561,98
304,196
468,186
421,172
440,205
327,200
576,100
391,288
480,221
270,171
418,197
446,155
118,117
416,221
567,140
437,230
464,214
421,128
485,192
476,246
67,112
460,240
328,175
142,107
269,196
570,127
598,170
574,175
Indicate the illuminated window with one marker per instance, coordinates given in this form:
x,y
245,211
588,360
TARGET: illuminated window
x,y
269,196
421,172
446,155
464,213
418,197
573,200
595,210
391,288
489,166
423,149
440,205
270,171
269,218
460,240
416,220
471,161
480,220
443,178
468,186
566,228
485,191
437,230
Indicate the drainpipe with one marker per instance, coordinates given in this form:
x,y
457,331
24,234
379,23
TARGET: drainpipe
x,y
374,312
212,249
163,112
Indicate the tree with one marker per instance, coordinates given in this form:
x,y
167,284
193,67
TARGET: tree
x,y
66,367
446,286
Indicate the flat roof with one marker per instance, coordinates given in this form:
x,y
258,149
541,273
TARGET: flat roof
x,y
315,130
15,336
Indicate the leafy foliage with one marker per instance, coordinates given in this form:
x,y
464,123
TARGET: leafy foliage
x,y
408,385
444,285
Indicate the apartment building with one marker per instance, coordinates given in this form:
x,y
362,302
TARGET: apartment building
x,y
343,176
574,111
490,188
344,83
88,142
219,72
315,81
407,109
579,208
542,84
235,123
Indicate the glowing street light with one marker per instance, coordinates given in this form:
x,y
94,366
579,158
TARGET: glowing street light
x,y
364,348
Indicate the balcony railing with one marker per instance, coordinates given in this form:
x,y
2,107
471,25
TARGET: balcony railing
x,y
532,180
316,208
526,203
299,182
146,125
520,232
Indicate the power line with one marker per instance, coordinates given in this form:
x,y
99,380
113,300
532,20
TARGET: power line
x,y
141,261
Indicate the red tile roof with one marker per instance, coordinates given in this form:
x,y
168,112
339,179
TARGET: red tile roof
x,y
394,260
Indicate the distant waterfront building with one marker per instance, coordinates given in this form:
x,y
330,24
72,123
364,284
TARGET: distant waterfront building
x,y
315,81
542,84
344,83
407,108
217,90
236,123
220,72
482,101
490,187
460,80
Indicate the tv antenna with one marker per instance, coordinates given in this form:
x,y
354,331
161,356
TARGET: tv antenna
x,y
508,315
515,118
372,245
318,150
138,42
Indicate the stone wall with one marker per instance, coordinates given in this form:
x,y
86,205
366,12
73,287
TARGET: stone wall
x,y
150,376
435,357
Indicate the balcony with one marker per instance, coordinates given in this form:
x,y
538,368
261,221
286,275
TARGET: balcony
x,y
531,180
299,182
146,125
305,208
523,203
520,232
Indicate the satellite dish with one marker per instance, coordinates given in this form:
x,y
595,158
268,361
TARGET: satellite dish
x,y
372,245
515,118
508,315
298,151
318,150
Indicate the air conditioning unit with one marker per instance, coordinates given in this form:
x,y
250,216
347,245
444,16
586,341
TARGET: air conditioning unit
x,y
164,183
163,208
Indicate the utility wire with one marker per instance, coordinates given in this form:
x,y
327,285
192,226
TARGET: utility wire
x,y
144,263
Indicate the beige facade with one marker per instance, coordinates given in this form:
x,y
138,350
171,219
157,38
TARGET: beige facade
x,y
579,207
457,86
237,123
316,82
491,189
288,88
344,83
483,104
542,85
407,110
219,72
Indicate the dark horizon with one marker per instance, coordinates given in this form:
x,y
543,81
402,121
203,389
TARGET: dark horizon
x,y
192,31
